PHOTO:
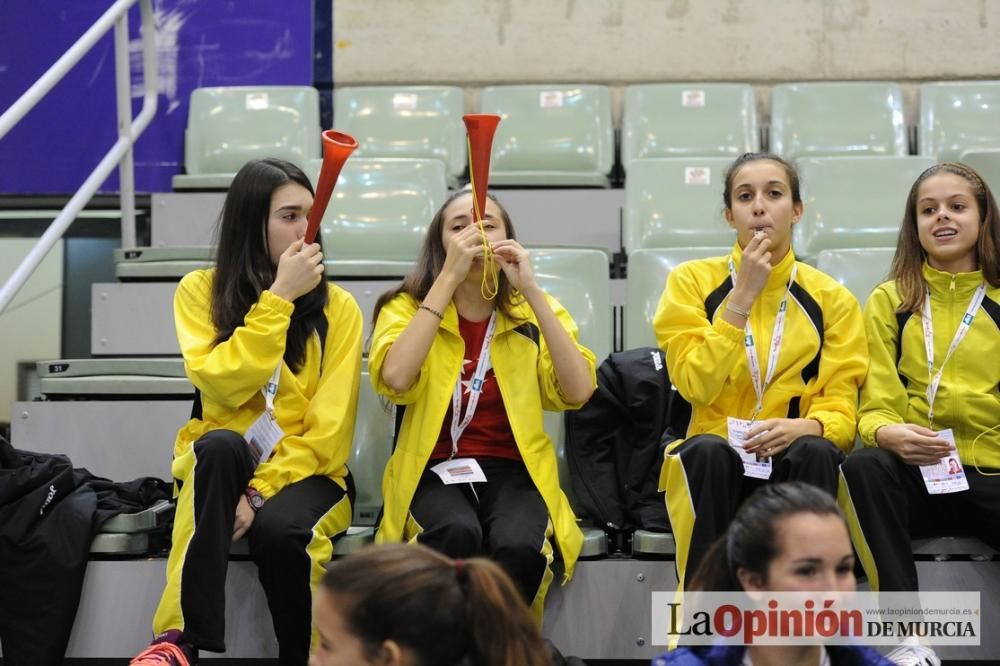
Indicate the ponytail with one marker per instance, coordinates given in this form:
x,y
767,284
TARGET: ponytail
x,y
443,612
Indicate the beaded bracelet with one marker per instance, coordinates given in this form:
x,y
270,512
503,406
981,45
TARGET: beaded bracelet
x,y
432,311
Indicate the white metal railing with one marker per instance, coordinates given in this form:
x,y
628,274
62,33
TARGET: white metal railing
x,y
128,130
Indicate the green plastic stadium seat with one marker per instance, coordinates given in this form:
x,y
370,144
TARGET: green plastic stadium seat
x,y
378,214
551,135
579,279
228,126
676,202
959,116
405,121
370,452
688,120
853,201
653,544
647,278
860,270
855,118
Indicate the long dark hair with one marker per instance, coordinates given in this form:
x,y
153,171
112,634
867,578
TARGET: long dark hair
x,y
431,261
751,542
446,612
907,264
243,262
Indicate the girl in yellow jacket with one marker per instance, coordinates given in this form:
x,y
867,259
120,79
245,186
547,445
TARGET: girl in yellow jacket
x,y
934,382
275,353
473,472
769,352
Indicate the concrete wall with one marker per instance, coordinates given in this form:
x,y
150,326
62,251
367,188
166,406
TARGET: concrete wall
x,y
471,42
31,326
616,42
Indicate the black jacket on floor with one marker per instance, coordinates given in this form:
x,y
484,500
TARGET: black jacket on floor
x,y
615,443
49,513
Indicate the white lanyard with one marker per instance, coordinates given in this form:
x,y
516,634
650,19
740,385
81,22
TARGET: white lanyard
x,y
776,338
270,390
934,379
475,388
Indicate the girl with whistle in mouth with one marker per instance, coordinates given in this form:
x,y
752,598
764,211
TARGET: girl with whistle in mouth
x,y
471,356
933,389
769,352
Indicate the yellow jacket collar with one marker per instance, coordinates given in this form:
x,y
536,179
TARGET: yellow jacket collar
x,y
958,284
521,310
779,273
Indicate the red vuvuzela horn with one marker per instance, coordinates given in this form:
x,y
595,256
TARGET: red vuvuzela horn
x,y
337,147
480,128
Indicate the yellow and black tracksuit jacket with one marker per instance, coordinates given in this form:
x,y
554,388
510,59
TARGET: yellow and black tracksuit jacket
x,y
822,361
526,376
968,398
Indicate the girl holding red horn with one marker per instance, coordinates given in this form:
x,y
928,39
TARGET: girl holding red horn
x,y
275,352
470,371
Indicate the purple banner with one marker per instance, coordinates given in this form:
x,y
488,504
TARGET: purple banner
x,y
199,43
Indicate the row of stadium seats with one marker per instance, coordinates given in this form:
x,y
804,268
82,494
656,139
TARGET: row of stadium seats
x,y
578,277
382,207
563,135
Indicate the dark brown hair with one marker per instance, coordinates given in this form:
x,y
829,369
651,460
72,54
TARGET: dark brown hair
x,y
751,542
907,264
431,261
445,612
243,268
746,158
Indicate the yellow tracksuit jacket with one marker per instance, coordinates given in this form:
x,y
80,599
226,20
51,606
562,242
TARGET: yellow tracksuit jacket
x,y
527,380
822,362
315,408
968,399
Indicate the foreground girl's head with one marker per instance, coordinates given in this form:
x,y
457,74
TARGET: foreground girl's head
x,y
408,605
786,537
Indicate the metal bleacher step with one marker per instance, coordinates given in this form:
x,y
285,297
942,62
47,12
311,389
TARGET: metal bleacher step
x,y
160,263
187,219
173,263
89,378
96,421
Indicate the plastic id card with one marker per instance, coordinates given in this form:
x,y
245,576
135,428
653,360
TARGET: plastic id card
x,y
948,475
459,470
753,466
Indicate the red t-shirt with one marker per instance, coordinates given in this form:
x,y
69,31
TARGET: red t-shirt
x,y
488,435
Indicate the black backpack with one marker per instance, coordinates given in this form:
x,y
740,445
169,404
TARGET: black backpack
x,y
615,443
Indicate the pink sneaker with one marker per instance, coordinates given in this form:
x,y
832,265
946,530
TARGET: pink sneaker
x,y
165,651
